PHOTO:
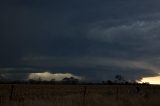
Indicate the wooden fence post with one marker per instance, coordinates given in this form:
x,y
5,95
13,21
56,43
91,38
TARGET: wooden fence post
x,y
117,96
11,94
84,95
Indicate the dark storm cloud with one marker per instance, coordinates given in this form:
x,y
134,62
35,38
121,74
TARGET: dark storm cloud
x,y
88,66
80,36
141,38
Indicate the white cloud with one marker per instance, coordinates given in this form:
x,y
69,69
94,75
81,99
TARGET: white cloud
x,y
49,76
151,80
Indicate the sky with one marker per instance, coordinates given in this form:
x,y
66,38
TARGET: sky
x,y
93,39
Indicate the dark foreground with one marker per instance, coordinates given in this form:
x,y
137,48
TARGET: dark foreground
x,y
79,95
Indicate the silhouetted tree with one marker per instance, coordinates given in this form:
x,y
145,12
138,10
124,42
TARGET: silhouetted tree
x,y
52,81
119,79
70,80
107,82
31,81
39,79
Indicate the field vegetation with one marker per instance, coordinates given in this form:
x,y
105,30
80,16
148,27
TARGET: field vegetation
x,y
78,95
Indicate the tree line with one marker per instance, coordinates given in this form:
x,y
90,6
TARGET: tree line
x,y
119,79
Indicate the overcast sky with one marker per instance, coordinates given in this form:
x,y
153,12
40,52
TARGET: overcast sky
x,y
96,39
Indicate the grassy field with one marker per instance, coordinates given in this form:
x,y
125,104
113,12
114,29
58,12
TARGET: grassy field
x,y
79,95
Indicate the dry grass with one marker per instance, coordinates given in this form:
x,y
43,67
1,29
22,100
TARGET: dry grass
x,y
78,95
